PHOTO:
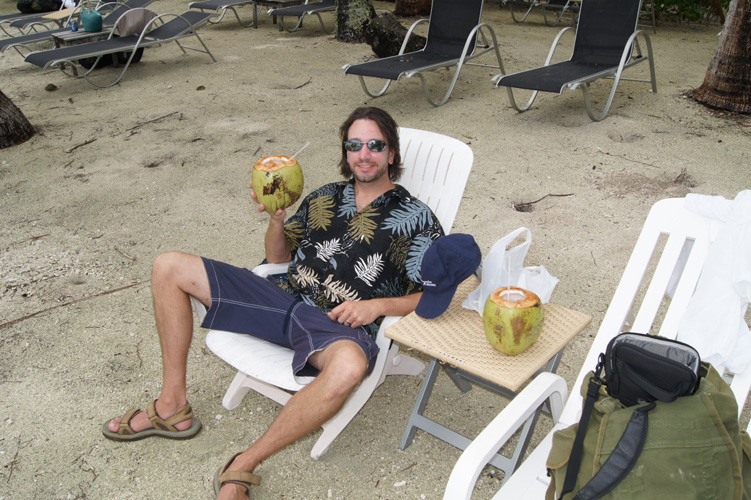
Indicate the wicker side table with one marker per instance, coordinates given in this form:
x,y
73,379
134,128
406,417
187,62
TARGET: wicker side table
x,y
456,342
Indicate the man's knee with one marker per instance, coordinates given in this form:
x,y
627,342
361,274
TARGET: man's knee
x,y
165,265
181,270
345,367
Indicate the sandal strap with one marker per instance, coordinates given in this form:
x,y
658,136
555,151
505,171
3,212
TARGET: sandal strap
x,y
239,477
182,414
124,429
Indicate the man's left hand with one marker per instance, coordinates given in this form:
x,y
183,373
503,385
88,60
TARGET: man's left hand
x,y
355,313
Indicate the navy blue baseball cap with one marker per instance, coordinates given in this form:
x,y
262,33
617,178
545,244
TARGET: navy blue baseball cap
x,y
448,262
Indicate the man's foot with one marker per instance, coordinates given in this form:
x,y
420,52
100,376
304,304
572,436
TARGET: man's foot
x,y
239,481
135,425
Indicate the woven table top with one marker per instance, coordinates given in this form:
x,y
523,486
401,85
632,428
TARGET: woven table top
x,y
457,337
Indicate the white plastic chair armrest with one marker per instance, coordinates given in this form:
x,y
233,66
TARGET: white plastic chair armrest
x,y
267,269
474,459
381,339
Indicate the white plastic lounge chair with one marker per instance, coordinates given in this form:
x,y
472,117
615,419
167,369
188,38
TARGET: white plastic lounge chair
x,y
177,27
300,11
25,42
436,168
606,44
667,261
452,41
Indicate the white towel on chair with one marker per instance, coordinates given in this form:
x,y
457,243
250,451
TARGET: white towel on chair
x,y
714,322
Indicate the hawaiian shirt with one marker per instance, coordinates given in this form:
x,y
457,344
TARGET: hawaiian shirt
x,y
341,254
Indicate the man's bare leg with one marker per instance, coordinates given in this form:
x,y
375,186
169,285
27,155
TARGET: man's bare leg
x,y
343,366
174,278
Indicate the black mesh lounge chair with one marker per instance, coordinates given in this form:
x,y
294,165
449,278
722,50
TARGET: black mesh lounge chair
x,y
648,10
7,19
553,11
300,11
19,18
605,45
222,6
150,34
453,31
25,42
26,25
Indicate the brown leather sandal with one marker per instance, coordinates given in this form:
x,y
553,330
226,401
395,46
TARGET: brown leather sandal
x,y
240,477
162,427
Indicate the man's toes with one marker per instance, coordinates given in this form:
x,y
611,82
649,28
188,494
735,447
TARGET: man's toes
x,y
114,424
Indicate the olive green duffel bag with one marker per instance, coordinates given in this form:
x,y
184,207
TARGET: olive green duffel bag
x,y
694,448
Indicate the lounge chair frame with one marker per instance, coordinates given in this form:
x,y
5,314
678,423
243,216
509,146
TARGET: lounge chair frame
x,y
480,41
648,10
23,44
631,55
558,8
67,60
26,22
222,6
300,11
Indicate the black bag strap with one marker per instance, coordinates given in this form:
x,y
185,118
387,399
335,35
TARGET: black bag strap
x,y
574,461
624,456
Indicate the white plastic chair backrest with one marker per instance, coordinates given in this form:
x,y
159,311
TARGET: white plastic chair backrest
x,y
674,243
436,169
134,21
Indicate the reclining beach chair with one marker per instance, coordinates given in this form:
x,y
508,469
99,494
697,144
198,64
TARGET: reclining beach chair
x,y
436,168
60,19
108,22
666,262
300,11
453,31
20,20
606,44
222,6
556,9
139,29
648,11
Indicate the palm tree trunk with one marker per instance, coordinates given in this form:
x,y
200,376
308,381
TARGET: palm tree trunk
x,y
352,17
727,84
14,127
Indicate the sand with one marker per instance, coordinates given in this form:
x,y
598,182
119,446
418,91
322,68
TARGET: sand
x,y
162,162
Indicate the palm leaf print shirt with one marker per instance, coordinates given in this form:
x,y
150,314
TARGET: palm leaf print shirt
x,y
341,254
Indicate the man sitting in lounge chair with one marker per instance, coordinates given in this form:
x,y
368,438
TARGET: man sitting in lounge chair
x,y
331,334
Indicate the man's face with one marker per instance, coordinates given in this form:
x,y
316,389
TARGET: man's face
x,y
368,166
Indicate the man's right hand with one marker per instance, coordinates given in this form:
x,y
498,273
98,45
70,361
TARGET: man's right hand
x,y
280,214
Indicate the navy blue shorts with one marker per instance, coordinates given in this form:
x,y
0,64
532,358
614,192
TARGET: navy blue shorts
x,y
243,302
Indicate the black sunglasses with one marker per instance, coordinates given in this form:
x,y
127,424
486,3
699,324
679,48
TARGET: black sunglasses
x,y
374,145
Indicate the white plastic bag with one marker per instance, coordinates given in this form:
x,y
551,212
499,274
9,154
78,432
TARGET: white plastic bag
x,y
505,267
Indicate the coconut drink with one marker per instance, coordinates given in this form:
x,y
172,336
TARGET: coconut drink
x,y
512,319
277,182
